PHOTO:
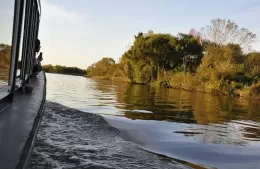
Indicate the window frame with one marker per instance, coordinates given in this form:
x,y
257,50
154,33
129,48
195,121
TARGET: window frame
x,y
30,34
6,90
32,24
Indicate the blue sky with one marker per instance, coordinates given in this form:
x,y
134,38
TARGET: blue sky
x,y
6,21
80,32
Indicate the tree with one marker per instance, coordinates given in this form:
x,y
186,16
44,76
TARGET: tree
x,y
223,32
155,54
5,55
196,35
221,61
104,67
252,62
192,51
63,70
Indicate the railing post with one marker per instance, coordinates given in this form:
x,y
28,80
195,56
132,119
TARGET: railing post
x,y
15,47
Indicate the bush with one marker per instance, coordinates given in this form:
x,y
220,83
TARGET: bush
x,y
183,81
227,87
255,90
165,84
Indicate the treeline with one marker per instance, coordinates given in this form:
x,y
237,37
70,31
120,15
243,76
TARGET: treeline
x,y
5,55
64,70
216,60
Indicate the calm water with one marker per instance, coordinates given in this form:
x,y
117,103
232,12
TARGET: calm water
x,y
195,129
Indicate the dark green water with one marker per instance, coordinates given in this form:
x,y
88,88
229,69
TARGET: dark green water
x,y
197,129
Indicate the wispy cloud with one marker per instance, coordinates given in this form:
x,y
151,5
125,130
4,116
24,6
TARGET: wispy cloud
x,y
53,11
60,32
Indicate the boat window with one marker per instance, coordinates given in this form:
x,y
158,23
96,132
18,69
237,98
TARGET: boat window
x,y
23,35
23,39
6,30
31,32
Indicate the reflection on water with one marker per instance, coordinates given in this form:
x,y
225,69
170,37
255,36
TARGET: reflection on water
x,y
212,119
195,127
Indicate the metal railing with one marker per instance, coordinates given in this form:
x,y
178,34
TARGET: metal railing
x,y
25,33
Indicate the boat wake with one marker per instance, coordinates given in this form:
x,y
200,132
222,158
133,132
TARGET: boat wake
x,y
69,138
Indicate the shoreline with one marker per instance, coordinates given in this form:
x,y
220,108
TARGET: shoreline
x,y
66,74
237,93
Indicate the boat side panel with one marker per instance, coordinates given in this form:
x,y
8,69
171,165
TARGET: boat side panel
x,y
19,123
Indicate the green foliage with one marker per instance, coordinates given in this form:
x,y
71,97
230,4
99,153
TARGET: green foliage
x,y
191,51
184,81
220,62
63,70
104,67
5,55
227,87
210,61
252,62
255,90
153,55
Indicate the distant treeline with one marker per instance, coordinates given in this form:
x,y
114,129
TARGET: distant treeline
x,y
64,70
216,59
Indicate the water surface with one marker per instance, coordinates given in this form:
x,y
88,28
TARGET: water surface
x,y
196,129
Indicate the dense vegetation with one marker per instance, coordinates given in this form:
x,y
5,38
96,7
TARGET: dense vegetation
x,y
216,59
64,70
5,55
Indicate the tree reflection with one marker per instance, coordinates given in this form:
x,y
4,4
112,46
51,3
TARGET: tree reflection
x,y
210,119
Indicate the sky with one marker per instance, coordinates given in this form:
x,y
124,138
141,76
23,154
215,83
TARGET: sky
x,y
81,32
6,21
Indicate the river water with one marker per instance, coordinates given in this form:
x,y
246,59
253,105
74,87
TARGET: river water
x,y
143,127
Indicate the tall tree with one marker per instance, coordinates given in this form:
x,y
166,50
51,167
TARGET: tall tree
x,y
223,32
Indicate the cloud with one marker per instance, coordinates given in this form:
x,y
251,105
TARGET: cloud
x,y
60,31
53,11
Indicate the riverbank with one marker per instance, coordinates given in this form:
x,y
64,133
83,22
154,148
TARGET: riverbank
x,y
72,74
108,78
247,92
189,62
75,71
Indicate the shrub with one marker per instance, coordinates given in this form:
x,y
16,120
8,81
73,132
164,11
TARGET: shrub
x,y
227,87
255,90
184,81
